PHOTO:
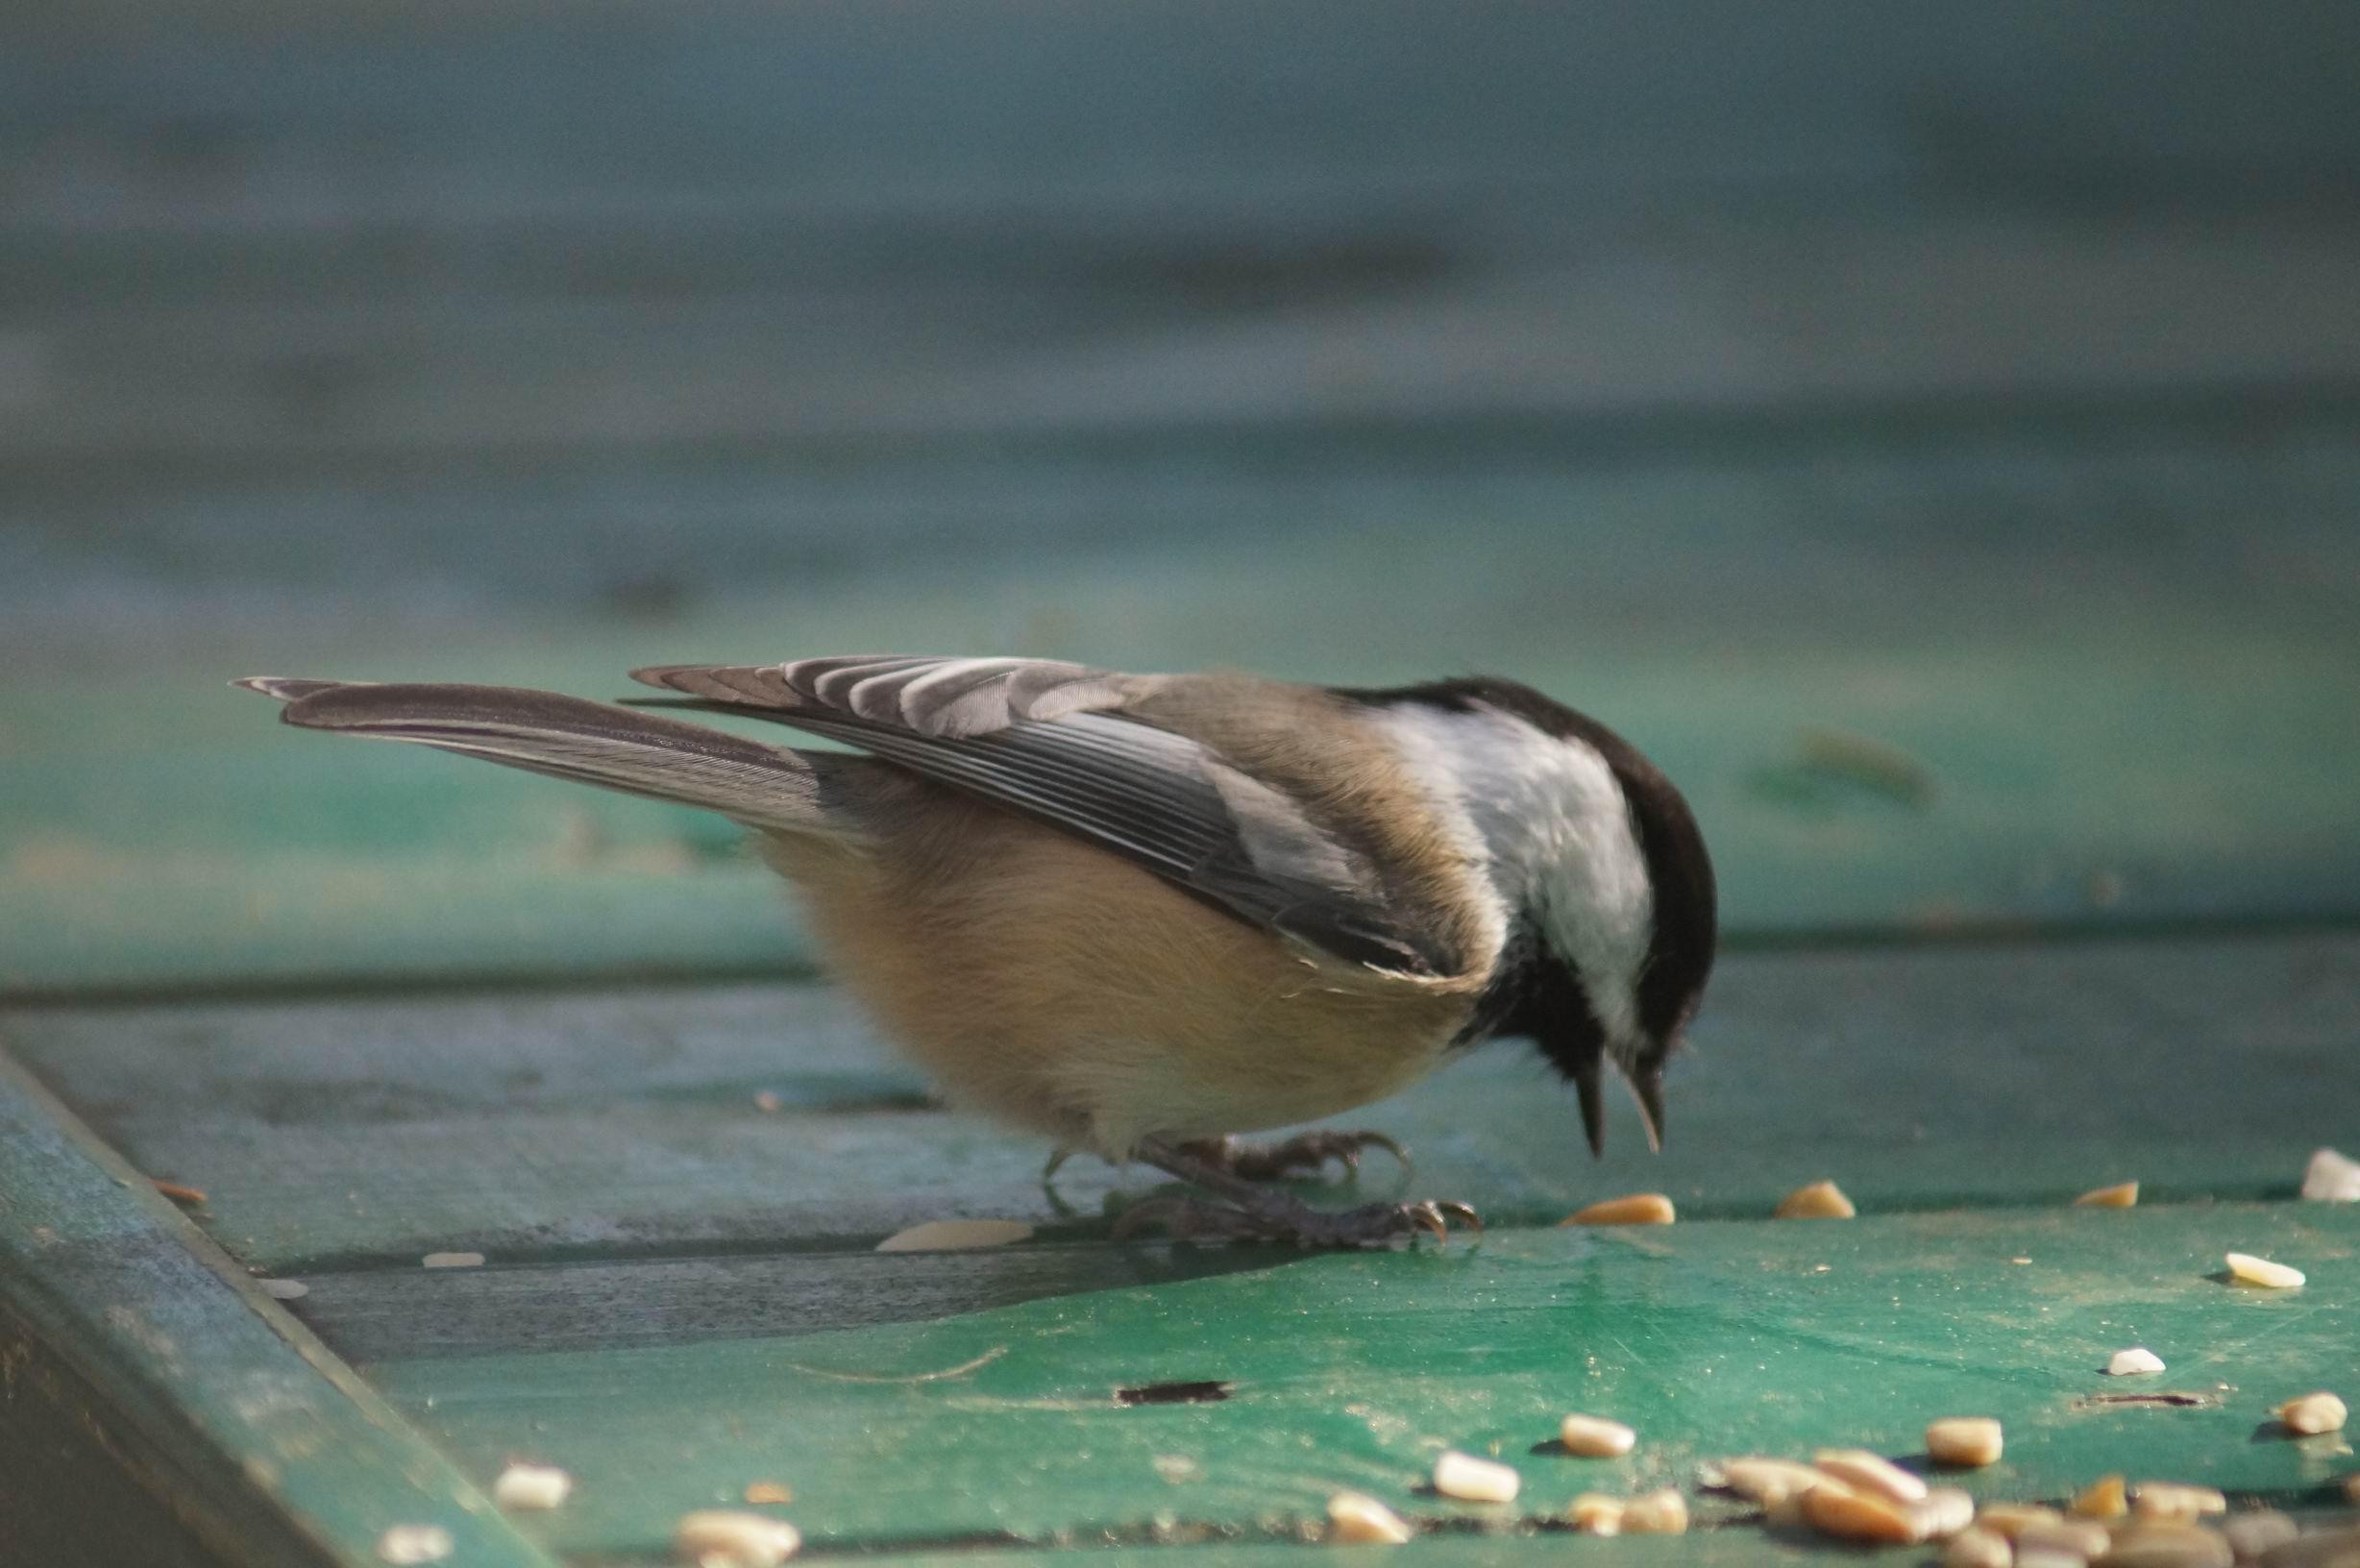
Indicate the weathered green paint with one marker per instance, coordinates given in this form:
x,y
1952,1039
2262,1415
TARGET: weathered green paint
x,y
2063,510
158,1408
1713,1338
1461,1544
2117,733
566,1128
681,1298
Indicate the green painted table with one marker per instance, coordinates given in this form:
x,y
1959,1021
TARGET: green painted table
x,y
678,1190
1797,393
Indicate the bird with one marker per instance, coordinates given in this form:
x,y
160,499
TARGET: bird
x,y
1142,916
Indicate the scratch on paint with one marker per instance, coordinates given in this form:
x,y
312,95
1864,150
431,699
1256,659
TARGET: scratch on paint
x,y
959,1371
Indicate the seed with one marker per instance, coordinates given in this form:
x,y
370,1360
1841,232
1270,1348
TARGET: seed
x,y
1967,1440
1656,1514
726,1538
1358,1520
2133,1363
1637,1209
955,1236
1472,1480
284,1289
2313,1414
406,1546
2047,1558
1821,1200
2158,1543
2012,1519
2246,1269
2169,1500
1864,1471
452,1260
2332,1178
2083,1538
2321,1549
1977,1548
2124,1196
1770,1481
1946,1511
531,1486
1594,1438
1855,1516
2250,1535
2105,1497
1597,1514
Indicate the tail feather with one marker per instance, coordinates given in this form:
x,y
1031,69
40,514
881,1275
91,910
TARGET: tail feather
x,y
565,737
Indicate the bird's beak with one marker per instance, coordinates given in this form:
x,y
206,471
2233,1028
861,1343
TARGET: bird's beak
x,y
1647,1088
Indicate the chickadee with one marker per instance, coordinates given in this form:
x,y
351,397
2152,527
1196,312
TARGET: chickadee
x,y
1140,913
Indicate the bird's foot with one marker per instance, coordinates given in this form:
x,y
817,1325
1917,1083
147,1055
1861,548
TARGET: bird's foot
x,y
1306,1154
1282,1218
1247,1213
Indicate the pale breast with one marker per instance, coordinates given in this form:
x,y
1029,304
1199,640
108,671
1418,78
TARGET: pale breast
x,y
1048,984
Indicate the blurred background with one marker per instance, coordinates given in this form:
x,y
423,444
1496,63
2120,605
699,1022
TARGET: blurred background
x,y
1933,433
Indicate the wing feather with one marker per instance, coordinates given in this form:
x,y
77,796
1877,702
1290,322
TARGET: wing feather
x,y
565,737
1052,741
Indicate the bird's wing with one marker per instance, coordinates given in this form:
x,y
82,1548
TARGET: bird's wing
x,y
564,737
1053,741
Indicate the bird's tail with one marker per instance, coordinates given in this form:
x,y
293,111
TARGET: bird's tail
x,y
617,749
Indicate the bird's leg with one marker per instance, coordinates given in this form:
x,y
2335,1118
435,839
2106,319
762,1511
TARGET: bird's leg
x,y
1306,1154
1249,1213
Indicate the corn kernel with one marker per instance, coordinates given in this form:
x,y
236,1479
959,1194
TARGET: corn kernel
x,y
1356,1520
1858,1516
1636,1209
1472,1480
2105,1497
1865,1472
1965,1441
2313,1414
531,1486
726,1538
2246,1269
1594,1438
1656,1514
1821,1200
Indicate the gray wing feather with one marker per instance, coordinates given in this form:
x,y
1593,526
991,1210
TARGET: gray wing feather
x,y
1049,740
947,698
565,737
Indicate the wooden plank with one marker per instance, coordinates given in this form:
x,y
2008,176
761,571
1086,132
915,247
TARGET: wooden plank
x,y
681,1300
156,828
1851,314
1341,1371
409,109
1456,1544
1331,368
159,1408
662,541
568,1129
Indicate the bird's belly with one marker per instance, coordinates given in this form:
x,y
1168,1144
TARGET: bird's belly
x,y
1172,1096
1066,992
1087,1083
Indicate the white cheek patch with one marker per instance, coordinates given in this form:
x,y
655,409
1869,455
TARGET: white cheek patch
x,y
1555,830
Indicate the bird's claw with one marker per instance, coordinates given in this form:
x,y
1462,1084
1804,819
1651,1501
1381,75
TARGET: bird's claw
x,y
1435,1217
